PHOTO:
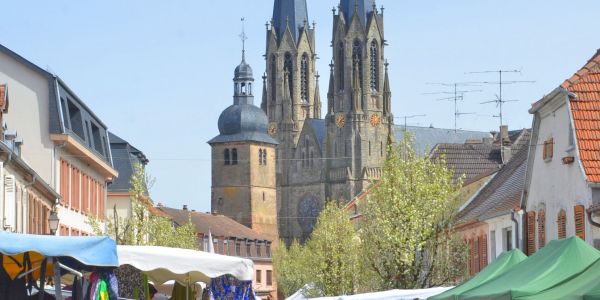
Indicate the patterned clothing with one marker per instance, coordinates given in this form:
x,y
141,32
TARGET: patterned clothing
x,y
230,288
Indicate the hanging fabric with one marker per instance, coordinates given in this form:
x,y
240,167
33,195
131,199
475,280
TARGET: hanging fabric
x,y
229,287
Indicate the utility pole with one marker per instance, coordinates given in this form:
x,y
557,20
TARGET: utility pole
x,y
410,117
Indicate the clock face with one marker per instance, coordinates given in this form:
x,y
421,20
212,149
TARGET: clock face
x,y
309,209
340,121
273,129
375,119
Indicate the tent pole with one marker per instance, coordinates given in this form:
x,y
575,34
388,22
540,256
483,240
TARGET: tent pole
x,y
57,288
42,278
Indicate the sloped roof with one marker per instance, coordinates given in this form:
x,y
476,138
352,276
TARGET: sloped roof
x,y
219,225
501,194
318,125
426,138
470,160
585,84
292,13
124,156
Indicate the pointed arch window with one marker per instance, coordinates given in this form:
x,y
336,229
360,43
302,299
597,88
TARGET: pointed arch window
x,y
273,78
340,66
289,66
234,156
304,77
264,157
374,62
226,157
357,57
260,156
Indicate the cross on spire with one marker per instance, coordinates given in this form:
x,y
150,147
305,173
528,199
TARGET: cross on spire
x,y
243,37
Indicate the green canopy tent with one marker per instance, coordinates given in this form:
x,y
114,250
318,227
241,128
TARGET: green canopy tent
x,y
553,265
502,264
584,286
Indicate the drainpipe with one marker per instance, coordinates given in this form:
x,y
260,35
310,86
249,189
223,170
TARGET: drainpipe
x,y
6,162
513,213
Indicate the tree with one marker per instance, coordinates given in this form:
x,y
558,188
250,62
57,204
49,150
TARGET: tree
x,y
144,227
407,222
329,264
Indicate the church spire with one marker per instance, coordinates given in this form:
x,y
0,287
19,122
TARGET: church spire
x,y
263,104
287,99
330,92
387,93
317,108
292,13
363,8
356,88
243,78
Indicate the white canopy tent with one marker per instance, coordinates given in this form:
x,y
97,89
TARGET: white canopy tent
x,y
387,295
162,264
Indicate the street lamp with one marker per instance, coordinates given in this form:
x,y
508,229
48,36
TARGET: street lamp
x,y
53,222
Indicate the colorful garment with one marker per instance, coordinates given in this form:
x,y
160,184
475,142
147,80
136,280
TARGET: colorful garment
x,y
230,288
102,293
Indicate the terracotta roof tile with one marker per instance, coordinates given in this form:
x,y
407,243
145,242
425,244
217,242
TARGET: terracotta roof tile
x,y
585,106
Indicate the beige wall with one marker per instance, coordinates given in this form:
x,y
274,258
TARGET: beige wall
x,y
122,203
264,266
29,114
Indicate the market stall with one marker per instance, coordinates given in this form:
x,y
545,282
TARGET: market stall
x,y
28,260
386,295
187,267
502,264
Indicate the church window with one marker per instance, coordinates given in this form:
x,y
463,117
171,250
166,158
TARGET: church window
x,y
303,159
340,66
265,157
374,61
289,66
260,156
381,148
312,162
273,76
357,58
369,148
304,77
226,157
234,156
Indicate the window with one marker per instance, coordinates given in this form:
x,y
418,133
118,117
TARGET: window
x,y
226,157
225,247
580,221
531,232
264,157
340,66
369,148
238,248
260,162
311,158
548,149
268,250
357,58
258,276
258,250
507,238
562,224
205,244
374,61
541,228
234,156
289,67
76,120
304,88
269,278
96,138
248,248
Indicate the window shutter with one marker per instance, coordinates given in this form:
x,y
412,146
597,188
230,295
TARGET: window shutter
x,y
580,221
542,228
472,257
562,224
551,146
483,257
531,232
545,153
10,202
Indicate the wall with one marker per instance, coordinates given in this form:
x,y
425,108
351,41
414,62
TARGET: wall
x,y
554,185
123,205
497,230
29,100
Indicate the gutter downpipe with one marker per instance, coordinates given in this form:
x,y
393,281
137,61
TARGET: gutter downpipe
x,y
517,235
6,162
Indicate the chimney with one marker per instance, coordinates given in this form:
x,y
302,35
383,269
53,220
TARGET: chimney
x,y
505,144
185,207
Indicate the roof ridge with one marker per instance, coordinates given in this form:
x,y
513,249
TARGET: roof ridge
x,y
592,66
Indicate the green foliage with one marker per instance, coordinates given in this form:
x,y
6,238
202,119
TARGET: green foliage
x,y
408,220
404,240
142,227
330,262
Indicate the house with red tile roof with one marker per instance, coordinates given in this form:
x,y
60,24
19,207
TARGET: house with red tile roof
x,y
562,192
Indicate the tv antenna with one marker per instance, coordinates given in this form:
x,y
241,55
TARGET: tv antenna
x,y
458,95
409,117
501,82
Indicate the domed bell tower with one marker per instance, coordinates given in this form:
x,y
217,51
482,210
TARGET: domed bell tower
x,y
243,161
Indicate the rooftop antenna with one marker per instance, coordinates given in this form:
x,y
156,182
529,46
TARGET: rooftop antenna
x,y
409,117
458,95
501,82
243,37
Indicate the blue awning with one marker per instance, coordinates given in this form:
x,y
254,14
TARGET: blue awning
x,y
89,251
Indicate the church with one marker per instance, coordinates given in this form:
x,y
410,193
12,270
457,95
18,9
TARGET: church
x,y
276,165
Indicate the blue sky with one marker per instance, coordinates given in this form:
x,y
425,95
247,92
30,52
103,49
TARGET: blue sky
x,y
158,73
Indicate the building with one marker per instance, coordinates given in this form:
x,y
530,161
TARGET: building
x,y
233,239
126,158
60,138
562,188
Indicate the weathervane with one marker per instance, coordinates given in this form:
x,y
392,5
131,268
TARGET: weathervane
x,y
243,37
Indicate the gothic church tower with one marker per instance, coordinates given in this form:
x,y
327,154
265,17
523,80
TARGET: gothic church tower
x,y
359,117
